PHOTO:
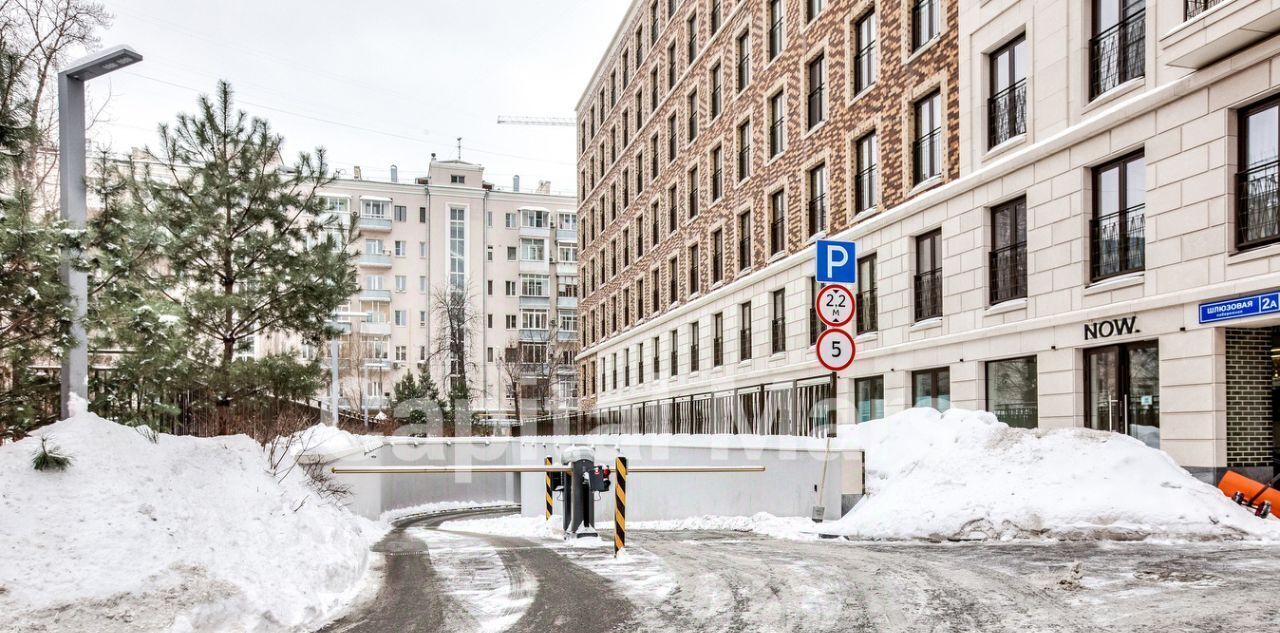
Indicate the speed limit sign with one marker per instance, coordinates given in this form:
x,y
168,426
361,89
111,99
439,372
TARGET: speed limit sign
x,y
835,349
834,305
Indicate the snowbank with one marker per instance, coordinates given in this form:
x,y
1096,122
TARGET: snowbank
x,y
964,475
322,440
180,534
792,528
436,507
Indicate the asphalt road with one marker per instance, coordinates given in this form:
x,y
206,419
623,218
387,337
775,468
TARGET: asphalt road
x,y
730,582
412,597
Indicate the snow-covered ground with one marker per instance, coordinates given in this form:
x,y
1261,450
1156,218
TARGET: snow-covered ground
x,y
167,533
965,475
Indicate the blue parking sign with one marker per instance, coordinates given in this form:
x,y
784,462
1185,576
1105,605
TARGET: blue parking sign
x,y
837,262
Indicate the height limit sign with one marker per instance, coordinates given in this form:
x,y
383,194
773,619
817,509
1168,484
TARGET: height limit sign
x,y
835,347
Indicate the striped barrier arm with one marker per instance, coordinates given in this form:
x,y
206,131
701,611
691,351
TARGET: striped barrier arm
x,y
547,477
620,505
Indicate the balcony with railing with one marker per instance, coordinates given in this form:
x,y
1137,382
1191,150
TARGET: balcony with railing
x,y
1008,272
865,312
371,223
1117,54
1117,243
375,260
1215,29
1258,206
928,294
778,330
1007,114
375,329
1196,7
744,344
375,295
926,158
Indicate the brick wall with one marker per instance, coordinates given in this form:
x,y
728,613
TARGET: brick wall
x,y
886,108
1250,431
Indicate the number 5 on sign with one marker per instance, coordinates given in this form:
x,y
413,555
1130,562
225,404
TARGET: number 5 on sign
x,y
836,349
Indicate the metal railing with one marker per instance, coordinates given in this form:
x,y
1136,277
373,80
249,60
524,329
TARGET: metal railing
x,y
816,111
717,351
744,252
924,22
864,67
1117,243
865,313
744,344
925,154
776,236
1117,55
1258,205
818,214
1008,273
1196,7
1007,114
693,357
778,328
864,183
928,294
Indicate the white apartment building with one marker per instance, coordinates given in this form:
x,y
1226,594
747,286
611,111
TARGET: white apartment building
x,y
514,253
1104,260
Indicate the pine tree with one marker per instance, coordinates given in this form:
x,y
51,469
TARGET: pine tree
x,y
242,247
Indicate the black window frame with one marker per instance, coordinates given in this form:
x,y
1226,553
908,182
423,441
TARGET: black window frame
x,y
926,24
816,186
1130,221
866,180
936,396
816,98
866,59
866,304
1257,194
778,321
1117,52
1007,263
777,221
927,142
928,282
1007,105
1011,418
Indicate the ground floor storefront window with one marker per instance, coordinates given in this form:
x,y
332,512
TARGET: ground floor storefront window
x,y
1011,391
932,388
869,397
1122,390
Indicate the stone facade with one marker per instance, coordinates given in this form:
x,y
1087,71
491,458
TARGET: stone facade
x,y
618,194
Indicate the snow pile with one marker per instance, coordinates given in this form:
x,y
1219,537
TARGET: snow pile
x,y
791,528
167,533
965,475
436,507
323,439
510,525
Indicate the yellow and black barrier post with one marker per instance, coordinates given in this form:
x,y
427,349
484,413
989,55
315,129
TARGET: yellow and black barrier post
x,y
547,477
620,505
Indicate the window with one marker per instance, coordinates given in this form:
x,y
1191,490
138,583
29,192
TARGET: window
x,y
401,317
533,285
511,253
626,247
1257,200
653,222
533,250
534,218
694,337
373,247
744,60
457,247
717,256
639,237
932,388
402,213
694,270
744,331
717,173
1116,52
778,326
866,182
671,66
422,318
692,108
1007,107
402,353
533,319
510,288
1196,7
717,339
376,209
775,28
653,22
928,285
777,217
928,138
816,326
671,138
567,253
866,64
673,339
655,283
422,284
626,69
715,91
672,223
924,22
744,150
691,26
869,398
715,16
673,275
568,222
776,124
693,192
401,283
639,299
1118,237
817,179
1011,391
817,99
401,248
657,362
865,305
744,240
1008,251
422,249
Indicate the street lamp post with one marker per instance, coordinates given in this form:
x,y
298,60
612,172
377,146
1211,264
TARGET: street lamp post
x,y
74,208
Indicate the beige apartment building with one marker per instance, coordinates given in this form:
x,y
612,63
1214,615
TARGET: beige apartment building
x,y
1100,246
512,253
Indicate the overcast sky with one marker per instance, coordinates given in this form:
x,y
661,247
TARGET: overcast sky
x,y
376,83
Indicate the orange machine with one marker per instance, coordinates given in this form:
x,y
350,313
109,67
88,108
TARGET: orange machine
x,y
1259,497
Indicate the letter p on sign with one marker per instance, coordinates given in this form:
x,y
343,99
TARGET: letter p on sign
x,y
837,262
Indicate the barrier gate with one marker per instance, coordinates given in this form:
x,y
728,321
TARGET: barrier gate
x,y
577,477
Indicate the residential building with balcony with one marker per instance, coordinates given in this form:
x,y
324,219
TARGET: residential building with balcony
x,y
1101,248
